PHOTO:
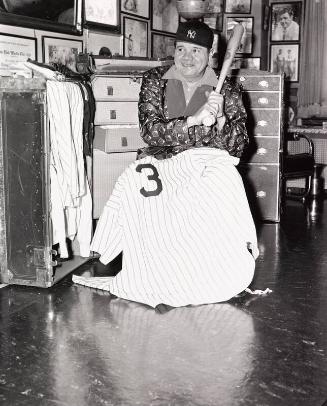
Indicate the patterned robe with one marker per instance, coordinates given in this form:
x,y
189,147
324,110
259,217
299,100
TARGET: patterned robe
x,y
163,116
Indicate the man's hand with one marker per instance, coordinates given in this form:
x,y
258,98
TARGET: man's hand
x,y
213,107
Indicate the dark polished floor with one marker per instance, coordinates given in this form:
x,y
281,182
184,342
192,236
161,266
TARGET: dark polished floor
x,y
71,345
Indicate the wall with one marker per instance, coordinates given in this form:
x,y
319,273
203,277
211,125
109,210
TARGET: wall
x,y
93,40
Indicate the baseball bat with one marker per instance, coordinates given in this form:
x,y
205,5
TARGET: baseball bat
x,y
232,45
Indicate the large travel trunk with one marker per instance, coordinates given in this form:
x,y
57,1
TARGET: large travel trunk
x,y
26,252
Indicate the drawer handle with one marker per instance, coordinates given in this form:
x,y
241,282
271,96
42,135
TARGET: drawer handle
x,y
263,168
261,194
262,123
263,83
263,100
136,79
123,141
261,151
110,90
113,114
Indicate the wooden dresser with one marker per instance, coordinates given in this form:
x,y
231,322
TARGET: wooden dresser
x,y
117,135
261,163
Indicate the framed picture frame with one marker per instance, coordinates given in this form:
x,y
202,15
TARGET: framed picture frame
x,y
140,8
162,46
245,46
265,17
284,58
211,20
238,6
286,21
220,22
214,6
213,58
164,16
102,14
14,50
49,15
135,37
247,63
61,50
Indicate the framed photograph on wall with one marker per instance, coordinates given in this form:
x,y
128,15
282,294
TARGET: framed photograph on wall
x,y
215,6
164,16
213,58
14,50
245,46
135,37
286,21
49,15
284,58
246,63
140,8
61,50
238,6
102,14
162,46
211,20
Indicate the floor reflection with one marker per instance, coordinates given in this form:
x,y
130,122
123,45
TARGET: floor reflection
x,y
132,352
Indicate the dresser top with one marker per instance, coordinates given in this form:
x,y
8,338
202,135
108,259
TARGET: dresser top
x,y
308,130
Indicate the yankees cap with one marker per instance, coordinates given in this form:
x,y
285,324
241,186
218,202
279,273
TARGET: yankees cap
x,y
196,32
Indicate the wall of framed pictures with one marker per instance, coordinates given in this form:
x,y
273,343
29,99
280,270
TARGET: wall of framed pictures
x,y
145,28
286,20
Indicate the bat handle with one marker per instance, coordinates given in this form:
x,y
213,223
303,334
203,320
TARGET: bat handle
x,y
210,119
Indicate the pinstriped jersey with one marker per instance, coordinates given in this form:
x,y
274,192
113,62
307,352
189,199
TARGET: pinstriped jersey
x,y
184,226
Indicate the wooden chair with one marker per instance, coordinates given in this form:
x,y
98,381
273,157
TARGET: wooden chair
x,y
298,165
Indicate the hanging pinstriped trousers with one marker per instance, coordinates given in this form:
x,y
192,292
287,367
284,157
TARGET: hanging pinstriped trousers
x,y
184,226
71,201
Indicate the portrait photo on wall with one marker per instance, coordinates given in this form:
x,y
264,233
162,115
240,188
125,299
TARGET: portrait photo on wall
x,y
139,8
14,51
135,37
286,21
214,6
284,58
162,46
61,51
245,46
102,14
164,15
52,15
238,6
213,58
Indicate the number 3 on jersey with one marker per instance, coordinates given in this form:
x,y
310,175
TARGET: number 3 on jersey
x,y
154,177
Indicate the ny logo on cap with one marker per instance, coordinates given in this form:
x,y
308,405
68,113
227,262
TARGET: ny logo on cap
x,y
191,34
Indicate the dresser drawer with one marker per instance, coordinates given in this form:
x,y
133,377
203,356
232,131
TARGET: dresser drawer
x,y
264,122
262,185
116,113
106,170
262,150
116,88
118,138
261,99
259,82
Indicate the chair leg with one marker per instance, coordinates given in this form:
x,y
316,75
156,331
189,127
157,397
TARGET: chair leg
x,y
299,196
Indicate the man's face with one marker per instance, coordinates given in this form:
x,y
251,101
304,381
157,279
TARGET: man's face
x,y
191,60
285,20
